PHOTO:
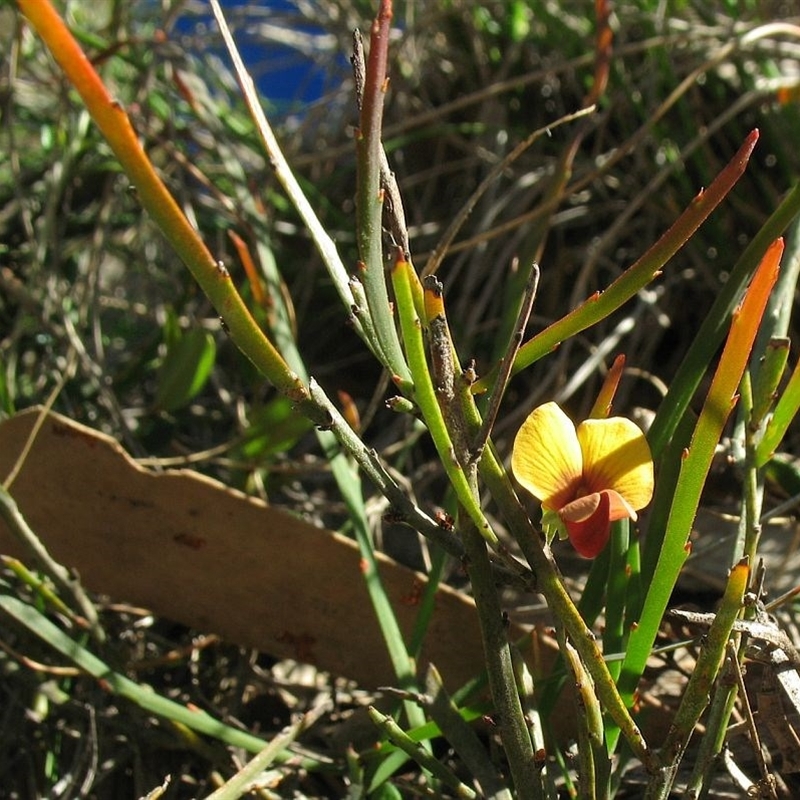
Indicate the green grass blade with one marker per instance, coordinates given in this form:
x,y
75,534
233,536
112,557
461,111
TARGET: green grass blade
x,y
616,592
142,696
785,411
694,468
186,368
637,276
348,482
711,332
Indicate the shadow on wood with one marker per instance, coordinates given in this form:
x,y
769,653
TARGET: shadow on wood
x,y
197,552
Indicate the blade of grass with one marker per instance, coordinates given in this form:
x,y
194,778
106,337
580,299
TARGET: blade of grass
x,y
348,483
557,186
705,343
694,469
616,592
142,696
639,274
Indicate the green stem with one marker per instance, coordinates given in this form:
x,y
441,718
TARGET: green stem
x,y
113,122
513,729
549,583
697,692
369,197
425,397
599,306
708,338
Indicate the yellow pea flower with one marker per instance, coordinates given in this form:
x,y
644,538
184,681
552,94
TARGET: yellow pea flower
x,y
585,477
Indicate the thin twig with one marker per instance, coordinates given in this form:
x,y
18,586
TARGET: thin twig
x,y
369,461
324,243
67,374
246,779
69,584
755,739
507,364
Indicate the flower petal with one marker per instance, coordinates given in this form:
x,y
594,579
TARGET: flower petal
x,y
546,458
580,509
588,532
616,457
619,508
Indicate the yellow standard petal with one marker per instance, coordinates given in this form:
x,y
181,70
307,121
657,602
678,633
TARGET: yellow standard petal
x,y
616,457
546,458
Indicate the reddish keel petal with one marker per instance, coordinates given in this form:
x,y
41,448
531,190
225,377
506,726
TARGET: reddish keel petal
x,y
588,534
